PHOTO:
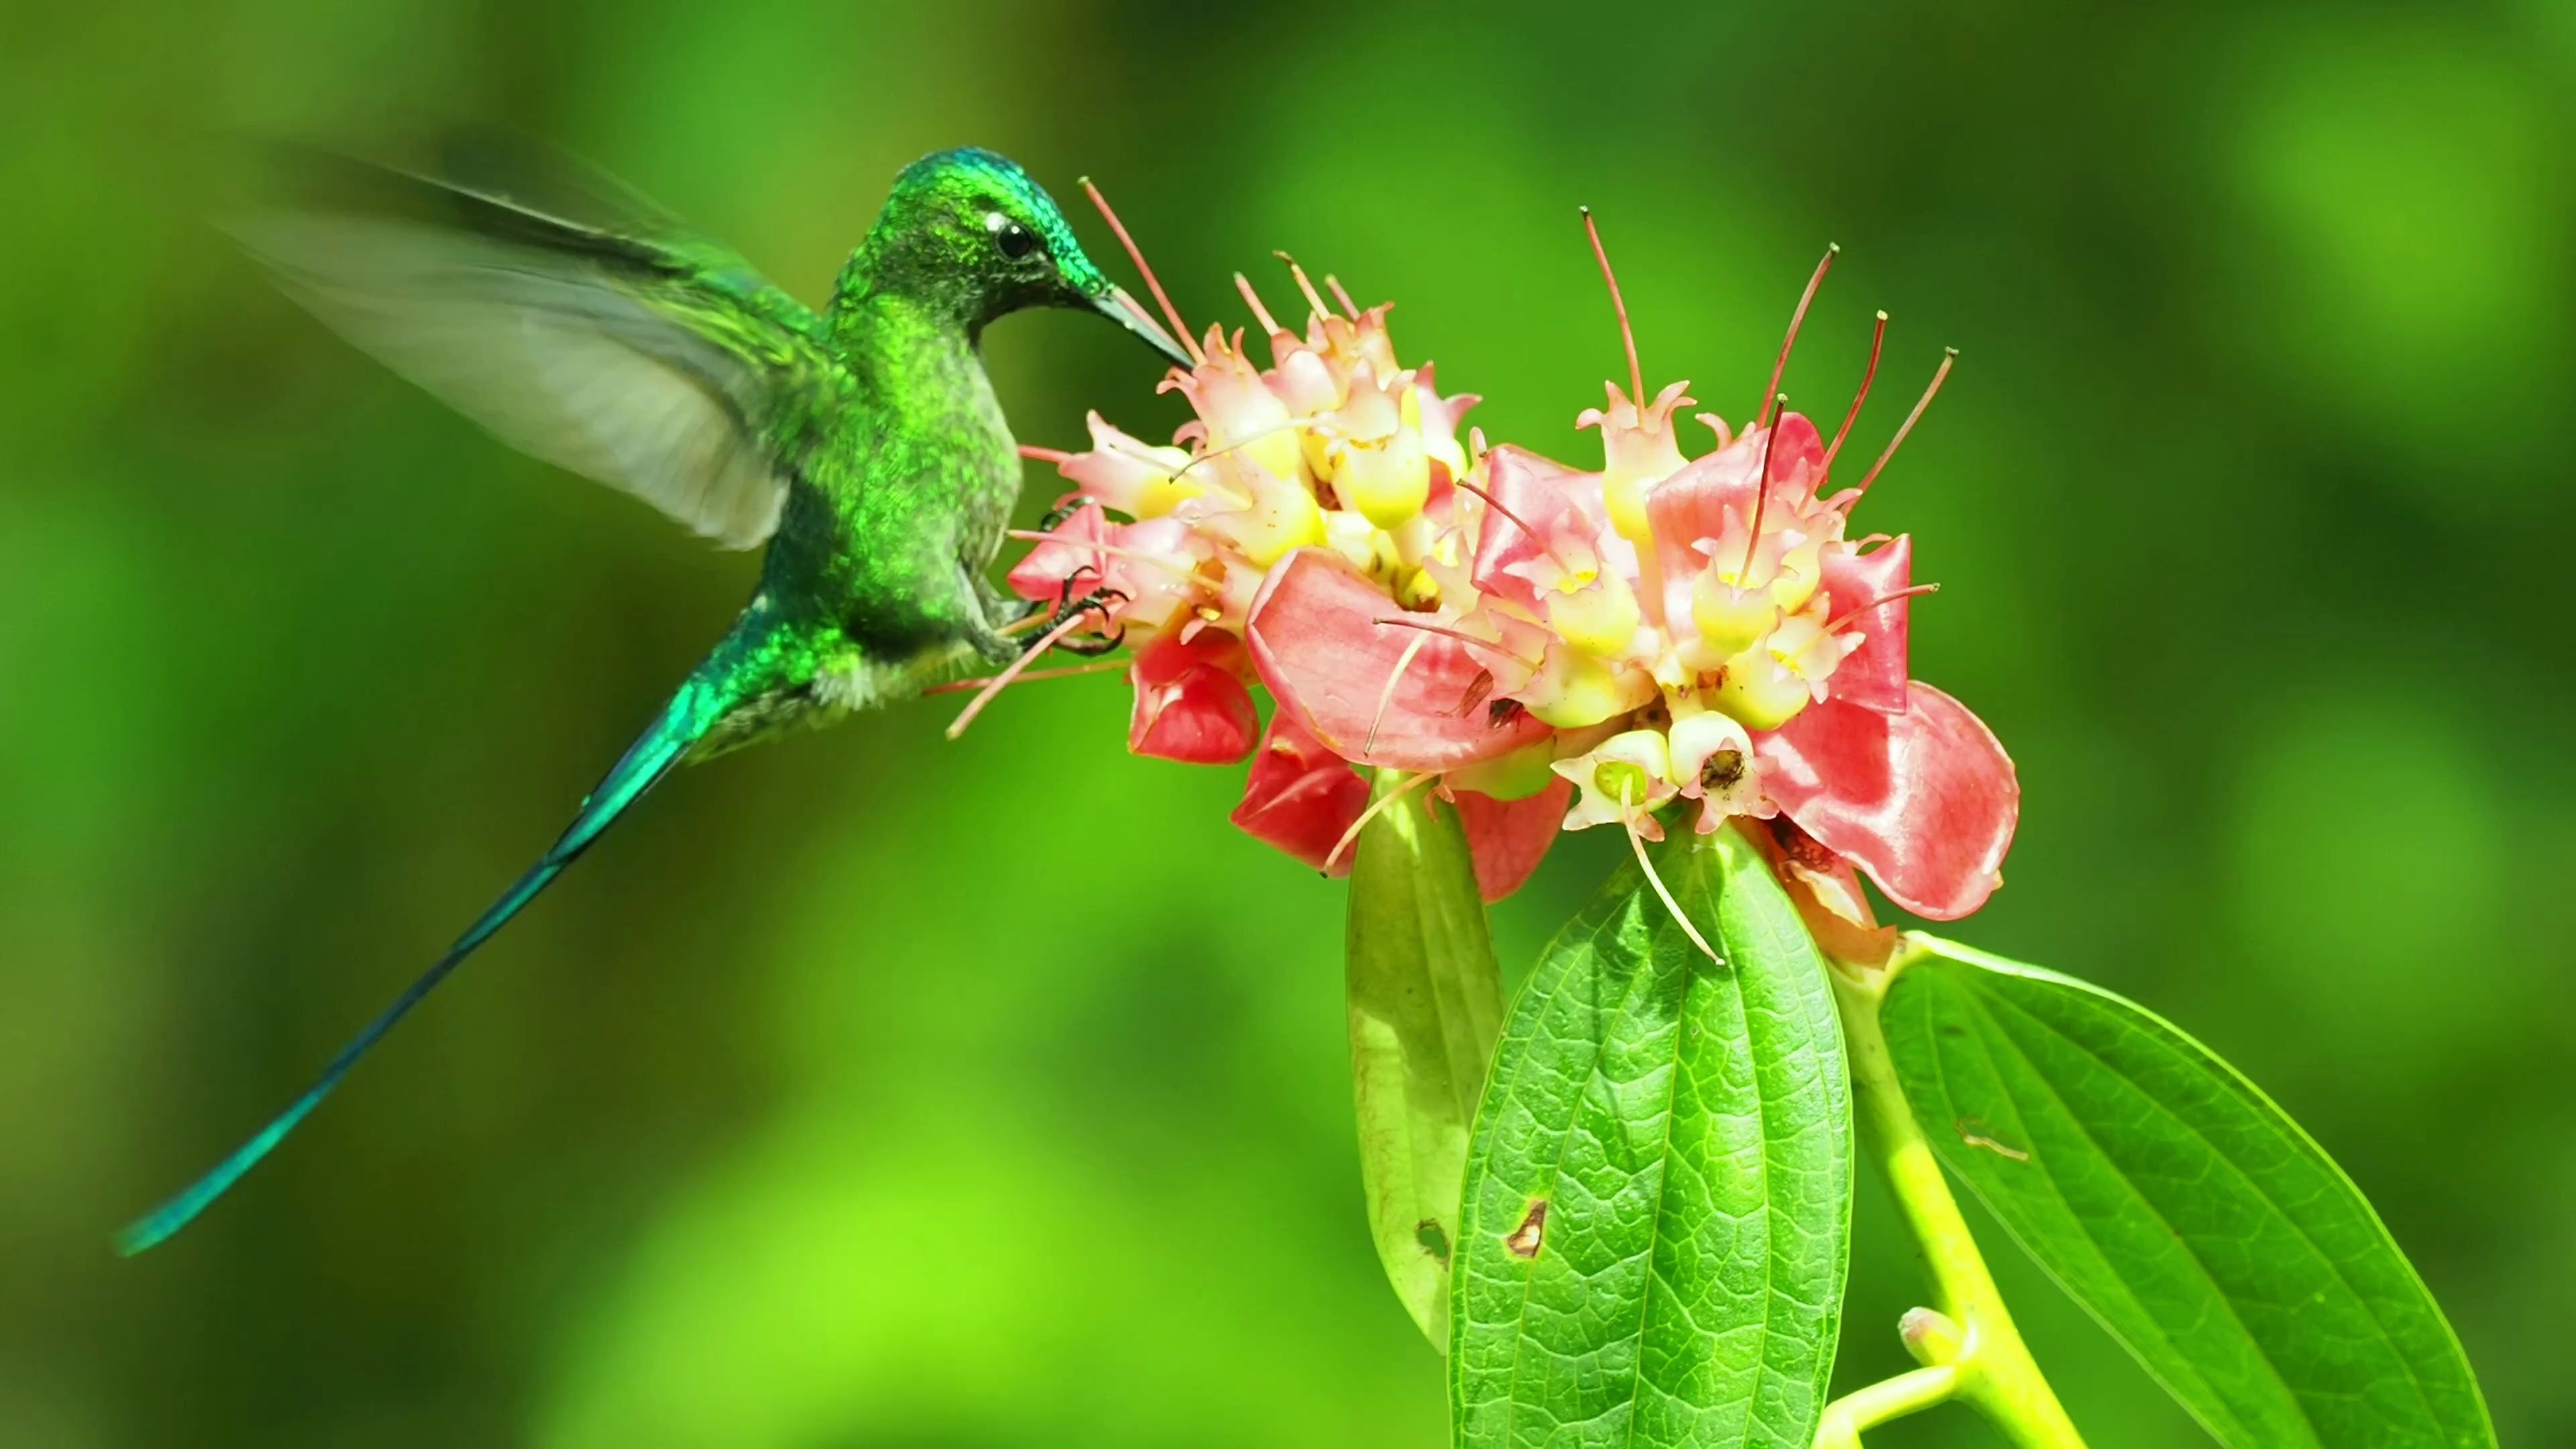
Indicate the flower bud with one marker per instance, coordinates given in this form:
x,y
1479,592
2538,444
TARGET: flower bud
x,y
1283,517
1387,479
1573,689
1931,1336
1622,780
1599,617
1730,619
1760,689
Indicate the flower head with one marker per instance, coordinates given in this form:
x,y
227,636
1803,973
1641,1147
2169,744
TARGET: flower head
x,y
1559,647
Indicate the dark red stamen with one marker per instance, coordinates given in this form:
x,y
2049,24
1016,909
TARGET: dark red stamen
x,y
1877,339
1518,522
1889,598
1619,304
1949,355
1761,496
1781,365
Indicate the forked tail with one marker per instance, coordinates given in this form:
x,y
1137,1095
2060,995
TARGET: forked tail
x,y
723,682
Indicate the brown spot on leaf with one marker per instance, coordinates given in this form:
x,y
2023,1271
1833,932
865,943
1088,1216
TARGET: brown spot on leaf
x,y
1434,1241
1525,1239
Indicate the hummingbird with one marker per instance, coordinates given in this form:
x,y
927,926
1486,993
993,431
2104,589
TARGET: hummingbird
x,y
862,446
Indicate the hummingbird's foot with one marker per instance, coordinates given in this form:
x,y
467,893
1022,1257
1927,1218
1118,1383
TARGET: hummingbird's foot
x,y
1070,605
1056,516
1099,599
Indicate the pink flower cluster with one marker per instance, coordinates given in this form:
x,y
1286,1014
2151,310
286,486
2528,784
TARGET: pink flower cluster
x,y
1548,647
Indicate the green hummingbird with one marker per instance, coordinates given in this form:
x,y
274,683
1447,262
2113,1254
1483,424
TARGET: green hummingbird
x,y
862,445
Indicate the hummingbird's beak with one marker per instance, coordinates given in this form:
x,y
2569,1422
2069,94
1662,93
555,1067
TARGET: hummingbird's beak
x,y
1122,308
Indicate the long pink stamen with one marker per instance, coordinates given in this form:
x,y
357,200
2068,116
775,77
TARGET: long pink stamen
x,y
1949,355
1314,298
1380,803
1761,497
1099,666
1462,637
1180,329
1386,696
1034,453
1877,340
1519,522
1349,307
1781,365
1252,299
1637,843
1618,304
1019,666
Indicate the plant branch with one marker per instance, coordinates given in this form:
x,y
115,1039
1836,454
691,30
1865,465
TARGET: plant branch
x,y
1894,1398
1988,1365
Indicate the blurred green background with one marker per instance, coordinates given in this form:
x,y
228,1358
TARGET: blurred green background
x,y
873,1092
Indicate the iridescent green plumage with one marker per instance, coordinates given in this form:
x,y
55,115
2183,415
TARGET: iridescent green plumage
x,y
863,445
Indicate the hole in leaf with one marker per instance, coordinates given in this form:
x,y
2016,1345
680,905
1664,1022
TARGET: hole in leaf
x,y
1433,1240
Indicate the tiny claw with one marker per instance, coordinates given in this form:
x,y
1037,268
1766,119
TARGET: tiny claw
x,y
1062,513
1068,606
1064,590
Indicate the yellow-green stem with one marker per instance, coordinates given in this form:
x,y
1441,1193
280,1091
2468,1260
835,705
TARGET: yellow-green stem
x,y
1992,1368
1887,1399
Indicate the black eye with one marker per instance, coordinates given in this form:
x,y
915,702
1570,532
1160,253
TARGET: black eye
x,y
1015,240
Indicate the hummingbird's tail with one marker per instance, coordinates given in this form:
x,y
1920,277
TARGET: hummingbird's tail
x,y
731,676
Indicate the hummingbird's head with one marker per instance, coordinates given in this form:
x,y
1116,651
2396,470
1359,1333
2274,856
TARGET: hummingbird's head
x,y
971,231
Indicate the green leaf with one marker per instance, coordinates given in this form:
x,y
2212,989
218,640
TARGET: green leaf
x,y
2178,1204
1658,1203
1426,1002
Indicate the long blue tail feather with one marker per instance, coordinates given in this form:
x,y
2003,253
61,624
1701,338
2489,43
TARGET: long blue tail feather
x,y
698,706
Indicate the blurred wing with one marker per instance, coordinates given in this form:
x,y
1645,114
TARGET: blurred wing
x,y
610,345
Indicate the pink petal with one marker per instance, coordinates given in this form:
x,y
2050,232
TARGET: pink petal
x,y
1692,504
1798,458
1118,468
1546,495
1191,705
1441,415
1924,801
1152,563
1300,797
1316,643
1042,572
1872,676
1510,837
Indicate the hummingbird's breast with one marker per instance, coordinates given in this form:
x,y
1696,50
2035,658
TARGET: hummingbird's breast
x,y
904,498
